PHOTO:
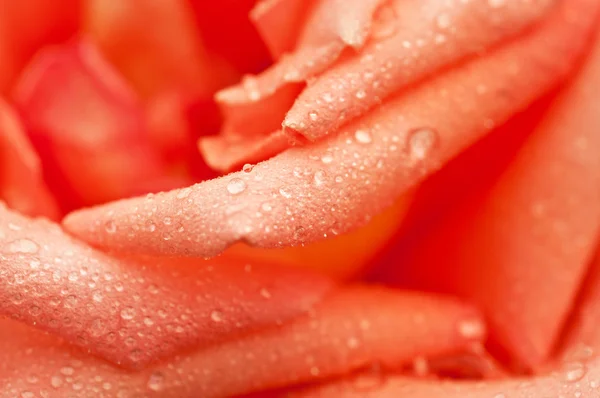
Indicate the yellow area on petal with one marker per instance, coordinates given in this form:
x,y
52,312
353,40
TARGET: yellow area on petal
x,y
341,256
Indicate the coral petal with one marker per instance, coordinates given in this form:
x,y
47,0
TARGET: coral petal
x,y
87,124
134,311
22,185
351,329
228,153
360,171
406,53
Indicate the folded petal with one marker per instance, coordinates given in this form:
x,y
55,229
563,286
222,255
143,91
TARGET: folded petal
x,y
574,380
330,27
22,184
351,329
288,200
87,124
415,39
130,311
541,217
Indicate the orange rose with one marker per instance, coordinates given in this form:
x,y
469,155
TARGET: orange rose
x,y
412,206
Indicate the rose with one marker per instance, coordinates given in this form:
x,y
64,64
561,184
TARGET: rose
x,y
123,323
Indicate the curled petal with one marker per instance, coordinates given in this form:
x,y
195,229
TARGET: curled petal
x,y
130,311
353,328
331,26
541,217
575,380
87,124
416,38
360,171
22,184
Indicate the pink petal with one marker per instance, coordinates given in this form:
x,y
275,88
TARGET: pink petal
x,y
542,217
22,184
359,172
260,103
132,312
87,124
279,22
416,40
353,328
228,153
573,380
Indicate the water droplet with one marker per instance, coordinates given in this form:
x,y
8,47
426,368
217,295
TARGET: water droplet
x,y
327,158
34,310
266,207
363,136
353,343
156,381
471,329
370,380
148,321
360,94
496,3
443,21
236,186
421,141
110,227
183,193
265,293
127,313
319,178
500,395
247,168
27,394
574,371
285,193
67,370
385,22
314,116
56,381
23,246
216,316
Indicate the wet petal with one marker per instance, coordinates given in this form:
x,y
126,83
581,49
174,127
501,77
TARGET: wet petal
x,y
415,39
87,124
362,170
132,312
22,184
521,251
575,380
227,153
353,328
259,104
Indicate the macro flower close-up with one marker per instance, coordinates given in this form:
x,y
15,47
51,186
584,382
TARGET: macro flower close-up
x,y
300,198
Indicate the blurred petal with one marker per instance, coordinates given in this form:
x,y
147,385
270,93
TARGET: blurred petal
x,y
172,57
353,328
520,252
132,312
412,40
26,26
87,124
288,199
279,23
22,184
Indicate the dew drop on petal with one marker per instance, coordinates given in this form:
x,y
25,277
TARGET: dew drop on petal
x,y
23,246
573,372
496,3
183,193
127,313
471,329
110,227
236,186
363,137
216,316
156,381
421,142
247,168
285,193
313,115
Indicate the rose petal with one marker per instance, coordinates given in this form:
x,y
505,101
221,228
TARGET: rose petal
x,y
227,153
171,58
541,217
26,26
415,39
353,328
87,124
279,23
362,170
22,184
331,26
132,312
574,380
